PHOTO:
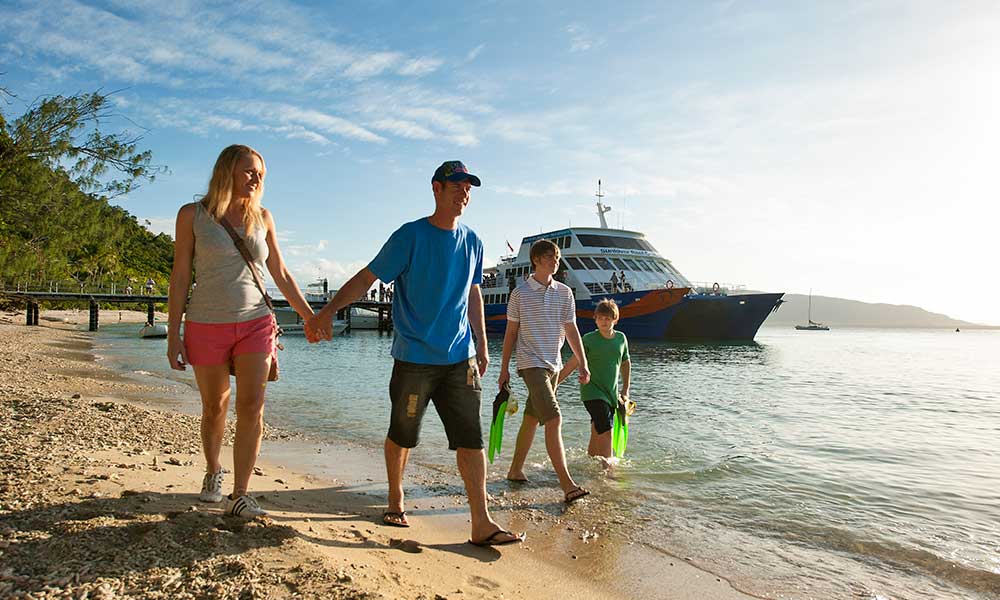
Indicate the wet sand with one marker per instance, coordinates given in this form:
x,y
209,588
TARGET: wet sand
x,y
98,496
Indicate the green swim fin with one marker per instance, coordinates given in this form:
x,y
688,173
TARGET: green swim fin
x,y
496,424
619,431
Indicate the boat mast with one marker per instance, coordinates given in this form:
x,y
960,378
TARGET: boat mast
x,y
810,306
601,208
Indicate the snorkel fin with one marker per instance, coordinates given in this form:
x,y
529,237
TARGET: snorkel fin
x,y
619,430
501,406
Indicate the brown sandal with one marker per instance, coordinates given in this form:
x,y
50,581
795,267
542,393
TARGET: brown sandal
x,y
575,494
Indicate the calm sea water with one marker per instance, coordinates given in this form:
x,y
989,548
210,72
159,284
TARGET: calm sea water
x,y
845,464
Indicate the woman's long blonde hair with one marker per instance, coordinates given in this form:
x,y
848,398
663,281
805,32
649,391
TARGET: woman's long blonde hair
x,y
220,188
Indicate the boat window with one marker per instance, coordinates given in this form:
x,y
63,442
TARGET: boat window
x,y
575,263
619,263
589,263
569,241
562,266
647,265
604,263
631,264
609,241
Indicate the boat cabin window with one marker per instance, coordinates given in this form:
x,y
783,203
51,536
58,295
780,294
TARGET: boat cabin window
x,y
575,263
619,263
608,241
631,264
604,263
562,242
590,264
645,265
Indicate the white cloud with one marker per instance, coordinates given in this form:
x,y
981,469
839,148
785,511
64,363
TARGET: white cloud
x,y
373,64
419,66
580,39
407,129
474,53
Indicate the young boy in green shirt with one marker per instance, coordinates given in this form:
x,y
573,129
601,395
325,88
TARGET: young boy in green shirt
x,y
607,356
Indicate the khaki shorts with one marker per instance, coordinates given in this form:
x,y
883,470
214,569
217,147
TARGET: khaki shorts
x,y
542,403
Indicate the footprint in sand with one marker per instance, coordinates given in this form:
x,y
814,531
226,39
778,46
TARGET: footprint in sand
x,y
483,583
411,546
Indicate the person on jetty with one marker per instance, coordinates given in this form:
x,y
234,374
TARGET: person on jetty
x,y
541,314
228,324
607,356
437,265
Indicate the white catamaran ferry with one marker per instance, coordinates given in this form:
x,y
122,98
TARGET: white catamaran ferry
x,y
655,300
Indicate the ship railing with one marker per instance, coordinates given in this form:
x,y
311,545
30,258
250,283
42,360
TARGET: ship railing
x,y
715,288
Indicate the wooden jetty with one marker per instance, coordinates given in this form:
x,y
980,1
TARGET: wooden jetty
x,y
94,300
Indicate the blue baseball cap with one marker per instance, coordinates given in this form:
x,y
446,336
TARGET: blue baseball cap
x,y
454,170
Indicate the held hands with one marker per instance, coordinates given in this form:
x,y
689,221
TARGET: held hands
x,y
319,327
176,354
584,375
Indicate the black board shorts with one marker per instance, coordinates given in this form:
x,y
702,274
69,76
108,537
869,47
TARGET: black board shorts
x,y
457,394
601,414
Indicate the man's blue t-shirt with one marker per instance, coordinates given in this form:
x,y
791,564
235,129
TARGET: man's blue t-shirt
x,y
434,270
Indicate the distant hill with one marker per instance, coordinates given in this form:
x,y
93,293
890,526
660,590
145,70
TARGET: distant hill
x,y
840,312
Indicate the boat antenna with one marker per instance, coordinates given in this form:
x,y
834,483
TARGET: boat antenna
x,y
601,208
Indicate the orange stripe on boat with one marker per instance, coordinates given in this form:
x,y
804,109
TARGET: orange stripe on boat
x,y
653,301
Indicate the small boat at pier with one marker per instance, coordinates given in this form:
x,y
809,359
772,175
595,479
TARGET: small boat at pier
x,y
153,331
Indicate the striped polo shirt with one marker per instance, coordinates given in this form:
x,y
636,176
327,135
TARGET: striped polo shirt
x,y
542,312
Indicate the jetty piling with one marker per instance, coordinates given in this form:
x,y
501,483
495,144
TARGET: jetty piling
x,y
94,315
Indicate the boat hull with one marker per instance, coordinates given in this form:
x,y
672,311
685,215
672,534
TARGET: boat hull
x,y
724,318
670,314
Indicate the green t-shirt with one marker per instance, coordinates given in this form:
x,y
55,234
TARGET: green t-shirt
x,y
604,357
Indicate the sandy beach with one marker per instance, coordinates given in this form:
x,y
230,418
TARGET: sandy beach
x,y
98,499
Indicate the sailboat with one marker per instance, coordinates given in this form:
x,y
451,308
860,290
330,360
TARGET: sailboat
x,y
813,325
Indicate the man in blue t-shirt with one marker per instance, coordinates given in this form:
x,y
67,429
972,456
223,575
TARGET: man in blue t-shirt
x,y
437,266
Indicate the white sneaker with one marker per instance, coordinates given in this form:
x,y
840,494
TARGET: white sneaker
x,y
211,487
245,506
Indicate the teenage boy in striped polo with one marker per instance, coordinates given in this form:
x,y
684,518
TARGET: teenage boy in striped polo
x,y
541,314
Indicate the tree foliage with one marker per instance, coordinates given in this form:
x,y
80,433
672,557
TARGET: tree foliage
x,y
58,169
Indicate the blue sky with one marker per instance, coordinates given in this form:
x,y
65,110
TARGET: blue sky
x,y
840,146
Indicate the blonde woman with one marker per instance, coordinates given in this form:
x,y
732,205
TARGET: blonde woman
x,y
227,321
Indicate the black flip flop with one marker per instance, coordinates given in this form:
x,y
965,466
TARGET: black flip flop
x,y
395,519
492,541
574,495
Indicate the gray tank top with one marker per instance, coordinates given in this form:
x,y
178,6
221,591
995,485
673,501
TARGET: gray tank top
x,y
224,290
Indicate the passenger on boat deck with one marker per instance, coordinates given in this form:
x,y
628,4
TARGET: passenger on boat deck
x,y
228,326
437,265
614,281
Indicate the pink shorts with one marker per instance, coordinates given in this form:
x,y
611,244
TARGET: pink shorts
x,y
217,343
